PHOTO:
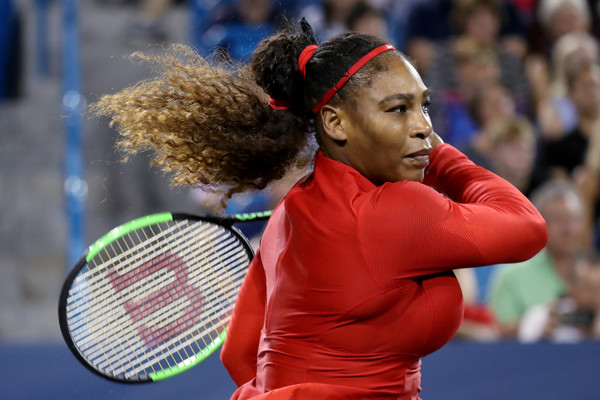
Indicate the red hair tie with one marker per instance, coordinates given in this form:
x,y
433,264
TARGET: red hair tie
x,y
278,104
305,57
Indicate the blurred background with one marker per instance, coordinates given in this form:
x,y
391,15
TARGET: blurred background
x,y
516,86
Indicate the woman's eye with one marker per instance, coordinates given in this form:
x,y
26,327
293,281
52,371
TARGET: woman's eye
x,y
400,109
425,107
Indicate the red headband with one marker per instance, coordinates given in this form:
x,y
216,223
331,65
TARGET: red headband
x,y
354,69
307,54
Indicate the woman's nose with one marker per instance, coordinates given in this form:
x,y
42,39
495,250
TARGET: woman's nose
x,y
422,128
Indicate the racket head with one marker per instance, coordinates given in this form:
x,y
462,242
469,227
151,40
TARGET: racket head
x,y
153,297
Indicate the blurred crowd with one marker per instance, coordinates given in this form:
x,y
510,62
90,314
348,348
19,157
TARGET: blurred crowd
x,y
516,87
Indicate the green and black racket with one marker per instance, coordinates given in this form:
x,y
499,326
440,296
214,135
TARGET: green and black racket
x,y
153,297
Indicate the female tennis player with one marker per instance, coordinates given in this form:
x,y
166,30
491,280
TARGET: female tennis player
x,y
352,283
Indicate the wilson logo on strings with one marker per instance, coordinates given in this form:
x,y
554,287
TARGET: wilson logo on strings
x,y
152,303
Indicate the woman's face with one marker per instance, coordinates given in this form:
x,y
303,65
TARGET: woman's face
x,y
388,128
585,93
495,104
567,18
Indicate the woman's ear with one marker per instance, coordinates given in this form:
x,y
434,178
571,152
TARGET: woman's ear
x,y
333,119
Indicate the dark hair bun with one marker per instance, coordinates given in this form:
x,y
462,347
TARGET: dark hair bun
x,y
275,63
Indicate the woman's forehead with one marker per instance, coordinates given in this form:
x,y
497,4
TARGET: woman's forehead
x,y
411,68
400,76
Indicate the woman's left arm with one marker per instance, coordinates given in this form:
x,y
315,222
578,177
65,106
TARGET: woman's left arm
x,y
410,229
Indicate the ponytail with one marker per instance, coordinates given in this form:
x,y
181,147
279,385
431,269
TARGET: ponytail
x,y
206,125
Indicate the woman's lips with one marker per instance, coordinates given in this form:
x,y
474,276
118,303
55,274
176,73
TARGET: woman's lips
x,y
420,158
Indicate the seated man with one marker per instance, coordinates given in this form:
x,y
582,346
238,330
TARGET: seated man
x,y
517,287
570,319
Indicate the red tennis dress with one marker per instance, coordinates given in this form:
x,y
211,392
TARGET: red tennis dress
x,y
353,282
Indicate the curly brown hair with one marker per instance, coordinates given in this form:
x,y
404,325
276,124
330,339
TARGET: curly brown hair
x,y
210,124
204,123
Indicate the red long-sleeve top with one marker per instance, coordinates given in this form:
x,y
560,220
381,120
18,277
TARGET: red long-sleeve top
x,y
353,283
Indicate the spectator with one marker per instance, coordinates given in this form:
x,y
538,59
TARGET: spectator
x,y
473,67
491,103
555,111
367,19
563,155
507,146
482,20
328,17
515,288
241,28
587,178
479,22
553,19
430,23
396,14
473,58
572,318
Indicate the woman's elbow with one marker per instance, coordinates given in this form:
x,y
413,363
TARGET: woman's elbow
x,y
540,232
535,239
227,357
241,369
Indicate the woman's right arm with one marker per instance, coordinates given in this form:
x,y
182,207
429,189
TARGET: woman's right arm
x,y
239,353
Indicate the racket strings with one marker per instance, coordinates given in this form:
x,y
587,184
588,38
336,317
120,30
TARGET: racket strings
x,y
99,347
154,338
93,298
129,262
181,346
104,327
232,249
87,322
215,277
136,353
130,258
230,291
212,327
220,322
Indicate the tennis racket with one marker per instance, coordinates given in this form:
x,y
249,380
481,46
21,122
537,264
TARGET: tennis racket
x,y
153,297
